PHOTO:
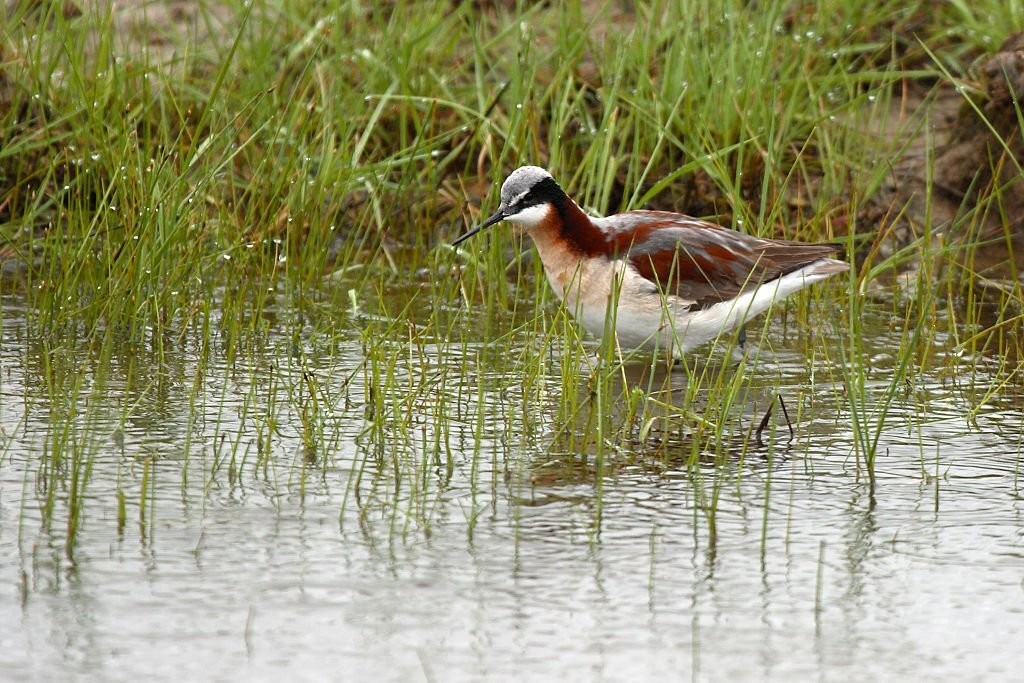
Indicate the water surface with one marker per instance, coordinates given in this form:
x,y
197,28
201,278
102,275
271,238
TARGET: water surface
x,y
440,528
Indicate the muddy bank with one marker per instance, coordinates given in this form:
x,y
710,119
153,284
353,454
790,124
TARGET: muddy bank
x,y
961,174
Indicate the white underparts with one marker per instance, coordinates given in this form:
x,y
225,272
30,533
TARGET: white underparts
x,y
648,319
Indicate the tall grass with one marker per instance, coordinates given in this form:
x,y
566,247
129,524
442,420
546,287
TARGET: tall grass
x,y
288,175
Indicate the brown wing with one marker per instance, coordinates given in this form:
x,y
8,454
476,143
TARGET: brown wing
x,y
703,262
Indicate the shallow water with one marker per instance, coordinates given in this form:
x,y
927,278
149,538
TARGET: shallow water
x,y
403,547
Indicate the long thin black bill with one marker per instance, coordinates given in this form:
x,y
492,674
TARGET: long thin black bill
x,y
498,216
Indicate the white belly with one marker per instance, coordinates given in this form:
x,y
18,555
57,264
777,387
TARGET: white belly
x,y
645,318
641,316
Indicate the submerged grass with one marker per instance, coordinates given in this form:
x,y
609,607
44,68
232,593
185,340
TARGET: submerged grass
x,y
269,195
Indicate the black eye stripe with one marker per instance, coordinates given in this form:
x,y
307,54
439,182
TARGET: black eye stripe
x,y
547,190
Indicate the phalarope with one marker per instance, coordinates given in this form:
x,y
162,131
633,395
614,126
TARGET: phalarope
x,y
678,282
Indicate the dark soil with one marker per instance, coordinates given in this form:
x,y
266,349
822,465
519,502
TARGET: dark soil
x,y
962,173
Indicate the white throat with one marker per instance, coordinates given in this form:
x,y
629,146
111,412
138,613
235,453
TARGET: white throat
x,y
530,217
